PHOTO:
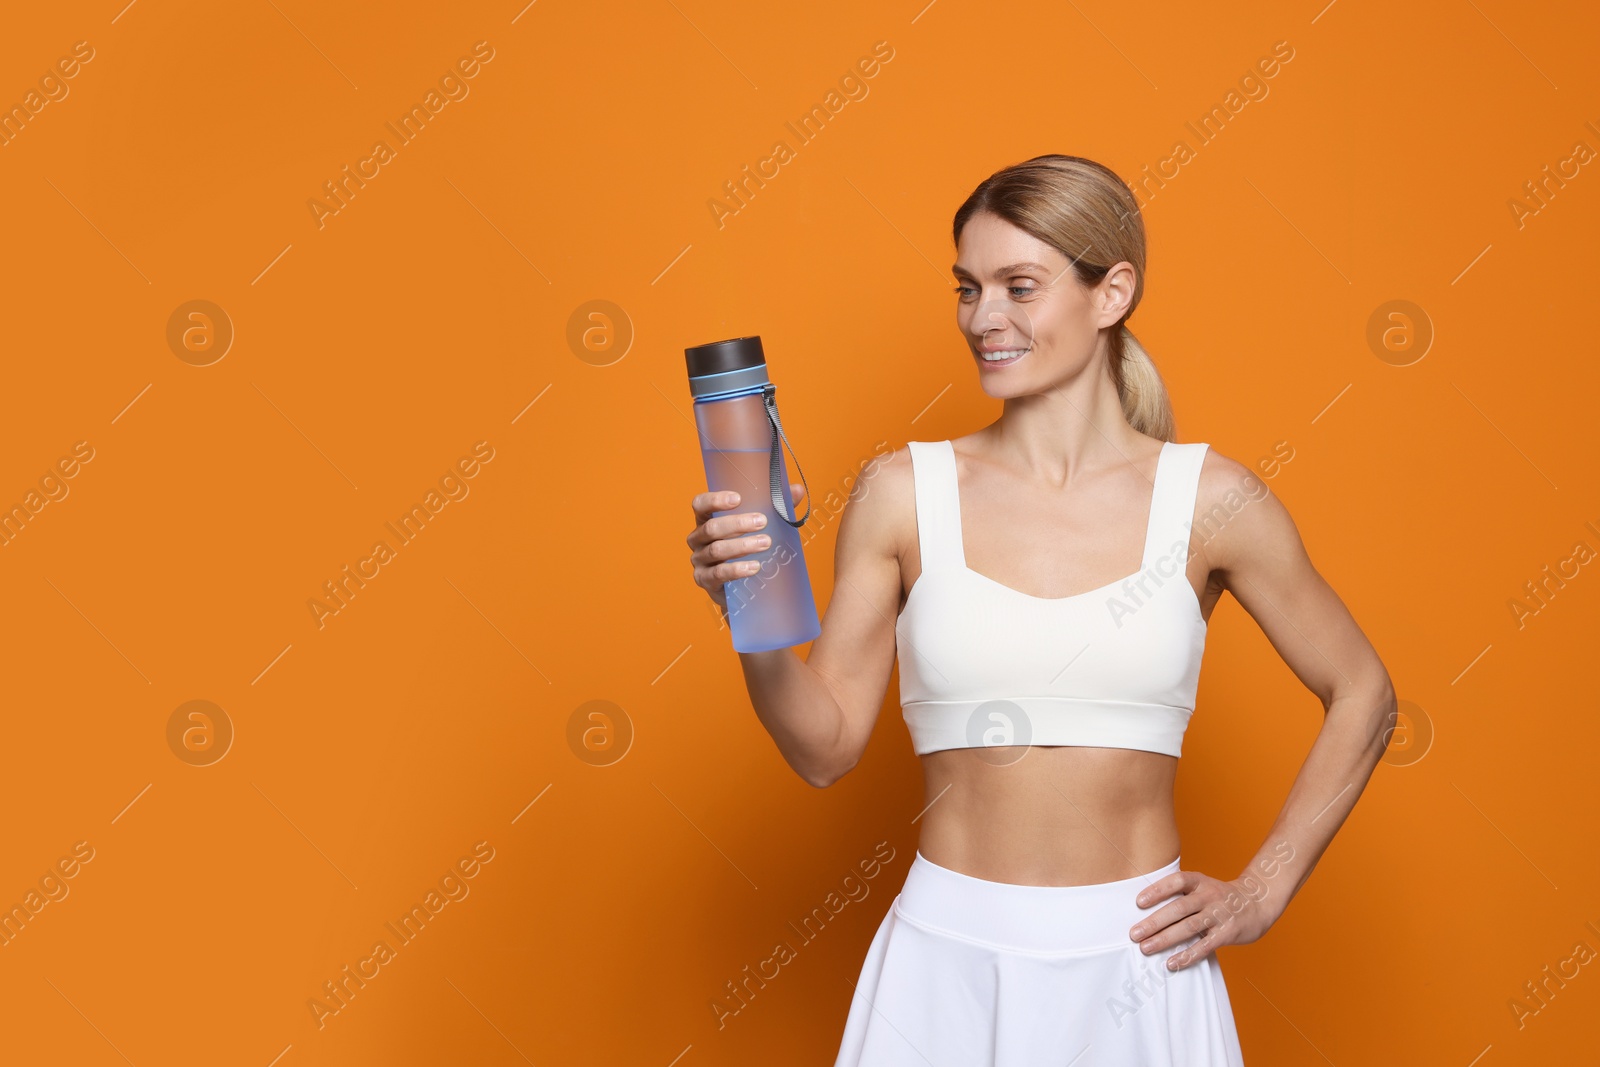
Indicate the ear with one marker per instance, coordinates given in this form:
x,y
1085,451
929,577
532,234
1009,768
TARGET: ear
x,y
1115,293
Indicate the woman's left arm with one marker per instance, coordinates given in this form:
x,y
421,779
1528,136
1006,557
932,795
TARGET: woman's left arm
x,y
1252,549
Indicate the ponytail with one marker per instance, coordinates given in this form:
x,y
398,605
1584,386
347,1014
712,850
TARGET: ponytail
x,y
1139,384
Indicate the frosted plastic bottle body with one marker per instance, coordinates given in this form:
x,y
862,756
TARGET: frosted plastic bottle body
x,y
774,607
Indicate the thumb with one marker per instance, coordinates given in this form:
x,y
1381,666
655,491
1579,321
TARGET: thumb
x,y
797,491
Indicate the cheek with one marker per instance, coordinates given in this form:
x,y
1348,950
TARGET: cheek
x,y
1067,344
1064,327
1038,323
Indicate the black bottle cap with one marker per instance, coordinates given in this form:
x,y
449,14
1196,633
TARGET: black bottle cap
x,y
738,353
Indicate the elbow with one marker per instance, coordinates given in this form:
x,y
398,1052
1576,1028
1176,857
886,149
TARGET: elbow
x,y
1368,712
822,777
1386,712
1386,701
828,762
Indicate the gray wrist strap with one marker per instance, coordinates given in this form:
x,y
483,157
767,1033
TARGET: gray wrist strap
x,y
771,402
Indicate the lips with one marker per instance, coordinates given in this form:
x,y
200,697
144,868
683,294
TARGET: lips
x,y
1002,357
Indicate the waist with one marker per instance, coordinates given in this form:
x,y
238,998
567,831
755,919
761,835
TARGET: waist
x,y
1025,918
1049,816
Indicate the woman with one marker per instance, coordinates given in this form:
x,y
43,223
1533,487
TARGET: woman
x,y
1053,574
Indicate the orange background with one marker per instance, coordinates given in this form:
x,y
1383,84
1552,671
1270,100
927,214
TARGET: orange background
x,y
431,713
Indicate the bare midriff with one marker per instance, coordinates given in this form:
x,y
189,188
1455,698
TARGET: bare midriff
x,y
1049,815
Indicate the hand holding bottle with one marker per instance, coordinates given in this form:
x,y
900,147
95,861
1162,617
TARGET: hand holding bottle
x,y
717,541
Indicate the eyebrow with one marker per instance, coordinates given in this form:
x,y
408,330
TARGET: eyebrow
x,y
1010,270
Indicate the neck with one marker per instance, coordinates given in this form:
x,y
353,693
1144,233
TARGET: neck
x,y
1073,427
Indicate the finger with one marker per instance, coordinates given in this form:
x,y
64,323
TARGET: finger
x,y
1196,952
1207,924
727,572
1176,934
728,535
797,491
729,548
721,526
1162,888
1163,919
706,503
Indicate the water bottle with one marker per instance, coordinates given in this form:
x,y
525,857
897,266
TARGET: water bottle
x,y
741,439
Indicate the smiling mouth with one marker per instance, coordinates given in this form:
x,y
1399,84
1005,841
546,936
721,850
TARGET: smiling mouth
x,y
1003,357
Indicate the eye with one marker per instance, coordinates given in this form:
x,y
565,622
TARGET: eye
x,y
966,292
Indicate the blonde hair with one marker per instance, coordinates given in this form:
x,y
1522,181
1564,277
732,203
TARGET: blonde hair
x,y
1088,214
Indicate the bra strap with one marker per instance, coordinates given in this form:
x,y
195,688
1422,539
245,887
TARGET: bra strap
x,y
1172,508
933,472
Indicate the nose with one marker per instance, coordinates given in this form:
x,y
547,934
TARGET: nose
x,y
997,315
989,316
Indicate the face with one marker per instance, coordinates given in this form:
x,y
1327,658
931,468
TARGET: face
x,y
1019,303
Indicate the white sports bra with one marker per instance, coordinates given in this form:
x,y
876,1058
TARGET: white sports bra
x,y
1116,667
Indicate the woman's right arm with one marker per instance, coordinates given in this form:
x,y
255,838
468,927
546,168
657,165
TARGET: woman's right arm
x,y
821,710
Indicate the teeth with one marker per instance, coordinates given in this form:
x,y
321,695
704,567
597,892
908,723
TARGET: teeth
x,y
1005,353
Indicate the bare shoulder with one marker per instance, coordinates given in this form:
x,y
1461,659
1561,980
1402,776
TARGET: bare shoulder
x,y
880,516
1237,515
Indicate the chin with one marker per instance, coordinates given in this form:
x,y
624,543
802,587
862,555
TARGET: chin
x,y
1008,379
1007,390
